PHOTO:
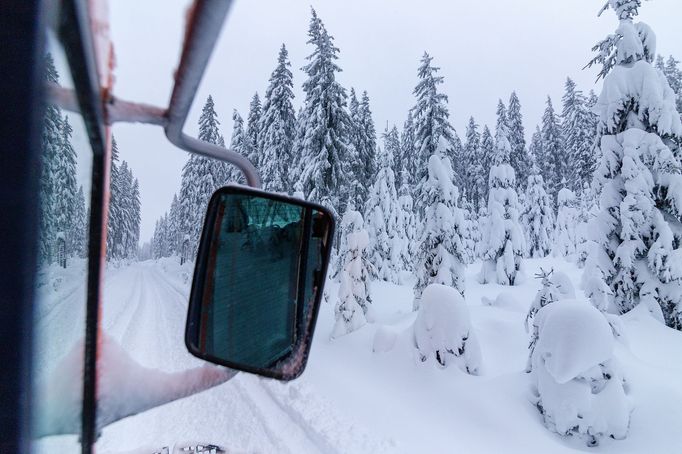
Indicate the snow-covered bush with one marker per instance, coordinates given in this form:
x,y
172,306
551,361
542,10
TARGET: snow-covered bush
x,y
537,217
503,239
440,258
443,329
555,286
635,250
577,384
384,223
353,308
565,233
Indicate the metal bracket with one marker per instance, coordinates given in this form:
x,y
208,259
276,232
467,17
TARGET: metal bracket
x,y
205,19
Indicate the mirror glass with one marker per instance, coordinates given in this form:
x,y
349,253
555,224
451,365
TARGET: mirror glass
x,y
259,274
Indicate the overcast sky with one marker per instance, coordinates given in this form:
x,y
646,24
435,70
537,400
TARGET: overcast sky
x,y
485,48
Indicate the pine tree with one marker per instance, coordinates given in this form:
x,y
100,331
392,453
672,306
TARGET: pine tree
x,y
487,154
537,217
441,253
673,74
470,167
366,154
578,131
323,145
174,226
471,234
135,218
503,238
253,154
635,254
238,144
535,149
353,308
384,223
79,226
432,129
278,128
115,203
565,233
552,162
519,157
66,187
407,178
50,149
209,132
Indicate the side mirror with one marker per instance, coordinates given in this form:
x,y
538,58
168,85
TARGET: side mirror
x,y
258,281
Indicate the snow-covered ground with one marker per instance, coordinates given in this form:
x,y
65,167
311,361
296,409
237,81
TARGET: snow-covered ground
x,y
351,399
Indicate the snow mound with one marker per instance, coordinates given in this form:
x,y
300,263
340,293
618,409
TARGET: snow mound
x,y
125,388
384,340
504,299
574,337
579,388
443,329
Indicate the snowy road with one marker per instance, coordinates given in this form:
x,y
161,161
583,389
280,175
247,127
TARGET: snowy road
x,y
145,310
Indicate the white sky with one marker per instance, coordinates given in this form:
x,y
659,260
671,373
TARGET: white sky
x,y
486,49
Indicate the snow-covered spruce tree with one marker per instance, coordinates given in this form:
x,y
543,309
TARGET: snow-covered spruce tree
x,y
440,258
115,203
537,217
209,132
519,158
174,223
382,212
252,142
367,152
503,237
407,140
635,253
482,216
535,148
673,74
65,185
135,220
552,161
353,308
443,330
469,165
238,144
278,128
487,153
323,143
79,232
577,383
565,234
50,147
587,209
431,126
471,235
578,132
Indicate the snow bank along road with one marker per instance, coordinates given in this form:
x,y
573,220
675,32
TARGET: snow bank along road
x,y
353,400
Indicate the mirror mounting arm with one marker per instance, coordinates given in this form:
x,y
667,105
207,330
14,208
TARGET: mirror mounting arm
x,y
204,21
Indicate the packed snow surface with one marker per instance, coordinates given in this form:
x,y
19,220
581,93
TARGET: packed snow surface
x,y
353,399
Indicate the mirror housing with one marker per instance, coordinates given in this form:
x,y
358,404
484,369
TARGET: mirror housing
x,y
258,281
